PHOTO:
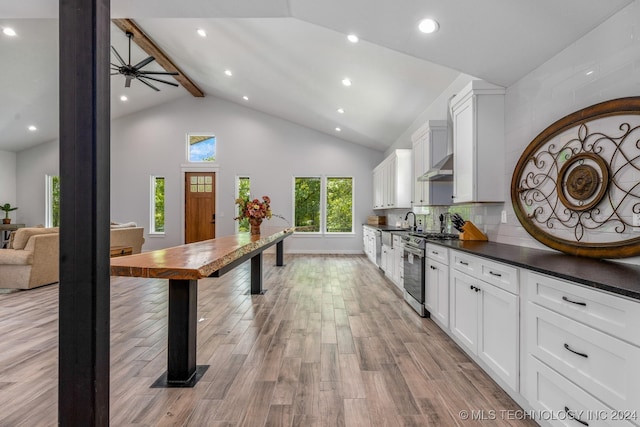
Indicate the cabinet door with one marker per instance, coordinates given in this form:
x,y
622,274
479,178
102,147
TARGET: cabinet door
x,y
431,287
463,308
399,264
391,184
442,307
498,332
418,171
464,149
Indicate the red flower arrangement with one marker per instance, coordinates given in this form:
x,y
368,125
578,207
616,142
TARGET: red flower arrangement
x,y
254,209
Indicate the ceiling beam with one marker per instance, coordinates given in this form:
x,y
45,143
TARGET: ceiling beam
x,y
146,44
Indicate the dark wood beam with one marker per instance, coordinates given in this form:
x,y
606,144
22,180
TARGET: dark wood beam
x,y
148,45
84,292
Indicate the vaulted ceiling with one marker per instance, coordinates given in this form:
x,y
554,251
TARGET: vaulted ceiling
x,y
288,57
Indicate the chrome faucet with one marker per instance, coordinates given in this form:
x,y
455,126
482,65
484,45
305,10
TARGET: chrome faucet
x,y
406,218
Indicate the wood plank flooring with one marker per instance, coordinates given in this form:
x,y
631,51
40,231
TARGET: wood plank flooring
x,y
331,343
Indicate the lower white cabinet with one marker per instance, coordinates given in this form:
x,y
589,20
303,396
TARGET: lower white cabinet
x,y
437,291
598,360
485,319
398,261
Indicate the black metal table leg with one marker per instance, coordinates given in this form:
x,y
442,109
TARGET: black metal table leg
x,y
280,253
256,274
182,324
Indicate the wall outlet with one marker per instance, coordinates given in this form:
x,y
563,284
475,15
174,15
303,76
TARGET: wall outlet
x,y
503,217
636,219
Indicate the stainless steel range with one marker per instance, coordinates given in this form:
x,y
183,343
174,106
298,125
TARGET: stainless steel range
x,y
414,267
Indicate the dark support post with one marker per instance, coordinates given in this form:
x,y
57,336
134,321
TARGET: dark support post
x,y
280,253
256,274
183,320
83,367
182,330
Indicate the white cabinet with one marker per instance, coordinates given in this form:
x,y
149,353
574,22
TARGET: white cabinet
x,y
437,284
387,256
429,147
484,314
478,143
369,243
392,181
397,274
586,336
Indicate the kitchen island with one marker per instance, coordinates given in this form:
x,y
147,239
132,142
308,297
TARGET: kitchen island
x,y
183,266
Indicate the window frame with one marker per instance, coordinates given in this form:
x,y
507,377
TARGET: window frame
x,y
188,148
48,202
323,206
152,205
293,205
237,195
326,204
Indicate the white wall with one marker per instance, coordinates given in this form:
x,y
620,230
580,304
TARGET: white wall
x,y
268,149
33,165
8,188
561,86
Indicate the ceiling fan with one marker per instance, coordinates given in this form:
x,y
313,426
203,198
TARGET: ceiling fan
x,y
131,72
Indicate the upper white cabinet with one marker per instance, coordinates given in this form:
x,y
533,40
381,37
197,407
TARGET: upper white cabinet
x,y
429,147
478,143
392,181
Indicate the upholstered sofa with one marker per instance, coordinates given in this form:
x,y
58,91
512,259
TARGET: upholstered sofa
x,y
32,258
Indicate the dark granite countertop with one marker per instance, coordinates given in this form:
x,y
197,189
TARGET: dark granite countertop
x,y
615,277
387,228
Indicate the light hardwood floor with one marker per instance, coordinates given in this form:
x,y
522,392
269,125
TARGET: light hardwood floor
x,y
331,343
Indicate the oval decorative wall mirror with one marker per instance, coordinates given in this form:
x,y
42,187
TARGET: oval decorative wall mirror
x,y
576,187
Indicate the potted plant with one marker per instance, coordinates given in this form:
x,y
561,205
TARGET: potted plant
x,y
7,208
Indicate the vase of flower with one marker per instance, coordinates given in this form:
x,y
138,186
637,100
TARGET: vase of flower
x,y
254,211
255,226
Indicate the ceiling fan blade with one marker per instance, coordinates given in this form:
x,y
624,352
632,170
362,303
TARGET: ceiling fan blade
x,y
143,63
150,85
157,80
118,56
166,73
127,82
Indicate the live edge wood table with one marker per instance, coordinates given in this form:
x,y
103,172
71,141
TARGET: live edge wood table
x,y
183,266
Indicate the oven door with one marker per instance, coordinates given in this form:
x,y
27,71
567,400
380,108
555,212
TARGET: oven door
x,y
413,259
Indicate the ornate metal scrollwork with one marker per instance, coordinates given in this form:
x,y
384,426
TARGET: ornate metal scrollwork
x,y
576,187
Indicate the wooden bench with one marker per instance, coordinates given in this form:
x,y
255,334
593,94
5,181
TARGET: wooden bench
x,y
183,266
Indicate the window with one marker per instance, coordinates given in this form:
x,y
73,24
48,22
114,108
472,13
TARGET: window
x,y
157,205
201,148
307,204
339,205
243,192
52,202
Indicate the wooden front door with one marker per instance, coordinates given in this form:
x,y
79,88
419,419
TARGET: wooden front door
x,y
200,206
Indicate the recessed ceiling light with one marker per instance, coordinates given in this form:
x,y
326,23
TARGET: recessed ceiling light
x,y
588,73
228,73
346,81
123,98
201,32
338,129
353,38
341,110
8,31
428,26
246,98
32,128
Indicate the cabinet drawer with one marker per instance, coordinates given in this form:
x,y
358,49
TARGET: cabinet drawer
x,y
501,275
614,315
466,263
437,253
554,396
605,366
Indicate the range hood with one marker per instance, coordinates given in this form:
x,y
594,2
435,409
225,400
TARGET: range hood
x,y
441,171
